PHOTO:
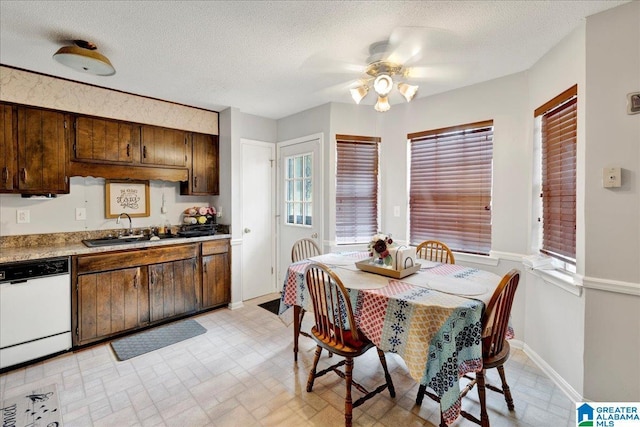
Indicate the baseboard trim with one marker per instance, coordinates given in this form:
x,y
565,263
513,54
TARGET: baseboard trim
x,y
563,385
236,305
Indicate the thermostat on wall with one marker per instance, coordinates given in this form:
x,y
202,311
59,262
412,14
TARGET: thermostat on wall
x,y
611,177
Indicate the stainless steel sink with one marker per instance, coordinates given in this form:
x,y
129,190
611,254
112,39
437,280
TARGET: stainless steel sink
x,y
112,241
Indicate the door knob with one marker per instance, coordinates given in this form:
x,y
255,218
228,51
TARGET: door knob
x,y
247,230
314,235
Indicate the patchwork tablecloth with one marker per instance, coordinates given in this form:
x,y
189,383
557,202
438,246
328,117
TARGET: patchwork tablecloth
x,y
437,334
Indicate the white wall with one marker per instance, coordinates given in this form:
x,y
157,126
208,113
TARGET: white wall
x,y
555,318
612,216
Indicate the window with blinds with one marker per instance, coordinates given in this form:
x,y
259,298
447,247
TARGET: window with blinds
x,y
356,188
450,187
558,146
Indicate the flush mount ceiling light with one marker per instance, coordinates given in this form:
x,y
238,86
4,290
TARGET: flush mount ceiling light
x,y
382,73
84,57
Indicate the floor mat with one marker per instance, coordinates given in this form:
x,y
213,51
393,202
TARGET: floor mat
x,y
272,306
156,338
39,407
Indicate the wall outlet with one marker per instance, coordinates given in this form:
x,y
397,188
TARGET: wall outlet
x,y
611,177
23,216
81,214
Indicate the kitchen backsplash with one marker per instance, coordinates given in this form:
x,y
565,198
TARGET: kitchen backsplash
x,y
59,215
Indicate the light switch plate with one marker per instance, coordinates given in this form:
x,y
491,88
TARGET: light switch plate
x,y
81,214
23,216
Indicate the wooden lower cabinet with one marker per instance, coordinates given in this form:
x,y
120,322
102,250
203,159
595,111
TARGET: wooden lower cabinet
x,y
111,302
216,275
173,289
120,291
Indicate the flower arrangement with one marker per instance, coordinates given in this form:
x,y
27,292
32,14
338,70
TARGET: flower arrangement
x,y
379,249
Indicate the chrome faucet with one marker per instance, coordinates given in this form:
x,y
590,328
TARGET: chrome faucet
x,y
130,223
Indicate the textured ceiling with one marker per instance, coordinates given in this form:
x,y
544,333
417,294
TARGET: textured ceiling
x,y
276,58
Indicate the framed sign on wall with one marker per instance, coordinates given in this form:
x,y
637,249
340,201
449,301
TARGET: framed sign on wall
x,y
130,197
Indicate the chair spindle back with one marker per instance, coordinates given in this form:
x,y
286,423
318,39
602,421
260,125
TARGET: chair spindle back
x,y
303,249
496,317
434,250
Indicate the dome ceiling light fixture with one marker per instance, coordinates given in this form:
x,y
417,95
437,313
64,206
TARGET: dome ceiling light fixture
x,y
382,73
84,57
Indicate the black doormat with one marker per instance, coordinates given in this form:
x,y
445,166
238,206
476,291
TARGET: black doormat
x,y
156,338
272,306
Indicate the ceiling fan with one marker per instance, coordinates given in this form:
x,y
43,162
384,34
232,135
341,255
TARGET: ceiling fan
x,y
407,55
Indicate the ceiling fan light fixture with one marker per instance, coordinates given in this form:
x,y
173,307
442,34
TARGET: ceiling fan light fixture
x,y
407,90
383,85
359,93
382,105
85,58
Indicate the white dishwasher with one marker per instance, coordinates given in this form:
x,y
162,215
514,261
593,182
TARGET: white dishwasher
x,y
35,309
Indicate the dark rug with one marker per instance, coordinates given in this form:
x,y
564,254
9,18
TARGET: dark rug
x,y
272,306
156,338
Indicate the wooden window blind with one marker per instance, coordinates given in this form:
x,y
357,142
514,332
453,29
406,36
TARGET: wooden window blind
x,y
559,137
450,187
356,188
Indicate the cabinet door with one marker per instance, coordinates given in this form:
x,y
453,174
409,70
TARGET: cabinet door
x,y
173,289
204,165
42,144
111,302
106,140
216,280
164,147
8,148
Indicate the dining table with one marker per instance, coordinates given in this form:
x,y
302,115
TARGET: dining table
x,y
432,319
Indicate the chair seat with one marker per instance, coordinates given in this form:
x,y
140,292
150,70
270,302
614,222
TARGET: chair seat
x,y
498,359
350,348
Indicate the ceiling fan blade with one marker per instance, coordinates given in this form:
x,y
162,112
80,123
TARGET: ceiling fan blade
x,y
411,45
435,72
326,64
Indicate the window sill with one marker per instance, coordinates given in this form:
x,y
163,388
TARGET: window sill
x,y
476,259
560,278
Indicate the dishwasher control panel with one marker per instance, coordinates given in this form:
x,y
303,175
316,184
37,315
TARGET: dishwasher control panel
x,y
25,270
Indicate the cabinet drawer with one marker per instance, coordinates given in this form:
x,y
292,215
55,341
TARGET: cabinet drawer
x,y
125,259
215,247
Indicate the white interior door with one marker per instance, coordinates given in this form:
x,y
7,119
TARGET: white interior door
x,y
299,196
258,219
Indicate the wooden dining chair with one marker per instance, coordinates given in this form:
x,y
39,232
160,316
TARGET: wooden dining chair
x,y
434,250
301,250
335,330
495,349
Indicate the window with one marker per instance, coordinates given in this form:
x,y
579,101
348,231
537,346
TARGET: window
x,y
450,186
298,191
558,136
356,188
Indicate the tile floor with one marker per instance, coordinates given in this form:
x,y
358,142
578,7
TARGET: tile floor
x,y
241,373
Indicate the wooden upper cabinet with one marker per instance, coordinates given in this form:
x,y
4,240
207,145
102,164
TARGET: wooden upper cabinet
x,y
42,142
8,148
103,140
204,179
163,147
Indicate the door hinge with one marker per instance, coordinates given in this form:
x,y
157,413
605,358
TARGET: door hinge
x,y
77,332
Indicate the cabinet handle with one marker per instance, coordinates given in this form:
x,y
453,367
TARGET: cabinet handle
x,y
5,174
128,150
144,151
23,174
195,181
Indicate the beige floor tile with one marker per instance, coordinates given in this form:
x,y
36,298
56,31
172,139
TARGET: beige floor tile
x,y
241,372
